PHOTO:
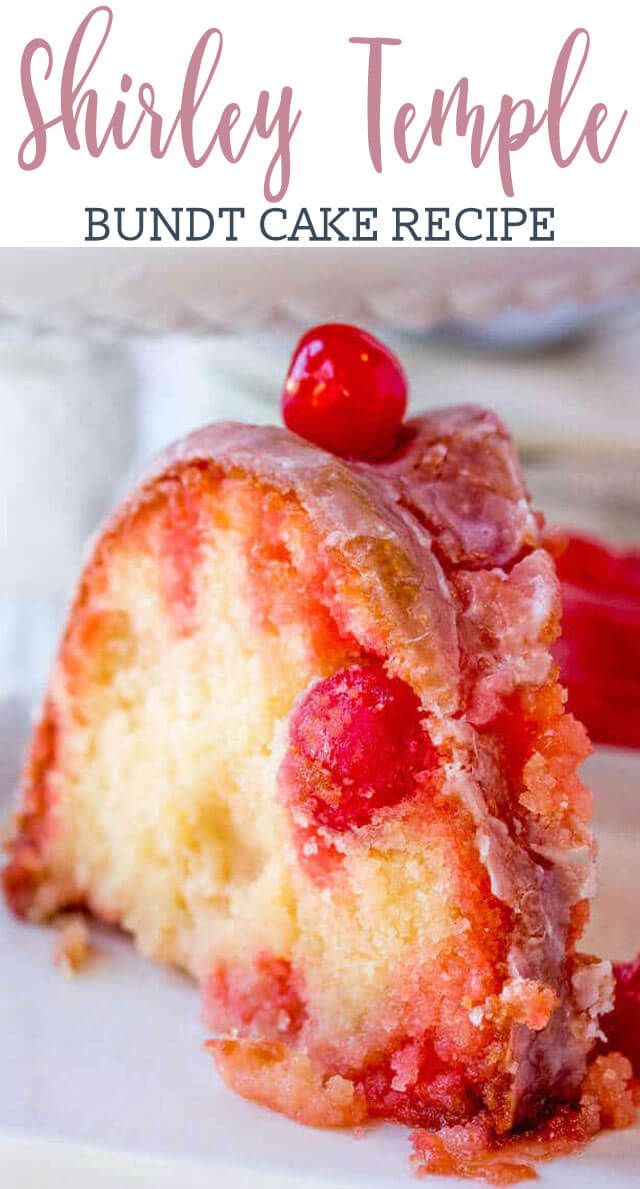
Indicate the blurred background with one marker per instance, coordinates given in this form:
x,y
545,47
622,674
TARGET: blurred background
x,y
112,374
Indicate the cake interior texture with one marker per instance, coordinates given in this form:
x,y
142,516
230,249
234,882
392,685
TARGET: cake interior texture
x,y
329,773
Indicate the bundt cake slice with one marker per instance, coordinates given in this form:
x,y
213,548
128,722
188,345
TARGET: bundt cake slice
x,y
304,740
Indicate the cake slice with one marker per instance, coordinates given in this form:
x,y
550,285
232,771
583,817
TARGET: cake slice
x,y
304,740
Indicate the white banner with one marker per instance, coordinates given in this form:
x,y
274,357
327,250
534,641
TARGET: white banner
x,y
257,124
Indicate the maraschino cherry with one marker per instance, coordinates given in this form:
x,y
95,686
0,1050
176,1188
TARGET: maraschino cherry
x,y
345,391
357,745
622,1025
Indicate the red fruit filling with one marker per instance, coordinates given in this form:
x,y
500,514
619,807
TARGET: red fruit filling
x,y
260,1001
622,1025
357,745
473,1150
180,550
413,1086
345,392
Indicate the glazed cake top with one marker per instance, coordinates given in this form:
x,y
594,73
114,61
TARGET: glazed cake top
x,y
451,500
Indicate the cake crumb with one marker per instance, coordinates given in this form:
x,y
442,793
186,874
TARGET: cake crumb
x,y
73,948
473,1150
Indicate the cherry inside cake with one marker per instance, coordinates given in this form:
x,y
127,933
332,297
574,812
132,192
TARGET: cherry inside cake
x,y
304,739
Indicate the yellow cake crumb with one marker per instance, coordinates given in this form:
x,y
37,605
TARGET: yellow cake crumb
x,y
73,947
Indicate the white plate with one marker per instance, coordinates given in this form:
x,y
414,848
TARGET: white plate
x,y
104,1082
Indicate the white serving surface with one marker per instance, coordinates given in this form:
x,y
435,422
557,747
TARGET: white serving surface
x,y
104,1081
